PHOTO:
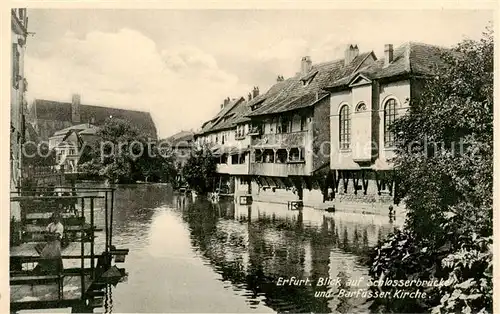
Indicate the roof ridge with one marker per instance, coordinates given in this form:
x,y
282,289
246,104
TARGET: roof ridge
x,y
413,43
341,59
35,100
235,103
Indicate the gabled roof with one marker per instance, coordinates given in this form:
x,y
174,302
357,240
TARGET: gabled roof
x,y
66,142
409,59
181,139
77,128
61,111
226,117
303,91
229,120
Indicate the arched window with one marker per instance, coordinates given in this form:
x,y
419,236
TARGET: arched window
x,y
361,107
345,127
389,117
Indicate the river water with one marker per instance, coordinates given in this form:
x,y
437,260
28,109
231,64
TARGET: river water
x,y
194,256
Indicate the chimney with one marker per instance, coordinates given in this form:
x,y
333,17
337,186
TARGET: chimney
x,y
280,78
305,65
249,96
255,92
75,108
389,54
351,52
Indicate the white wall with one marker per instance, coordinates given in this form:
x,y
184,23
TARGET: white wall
x,y
362,123
401,92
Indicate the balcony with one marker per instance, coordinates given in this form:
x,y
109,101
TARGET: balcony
x,y
282,140
279,169
255,131
234,169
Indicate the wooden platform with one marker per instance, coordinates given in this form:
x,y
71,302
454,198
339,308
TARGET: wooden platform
x,y
54,310
71,255
72,289
55,198
31,288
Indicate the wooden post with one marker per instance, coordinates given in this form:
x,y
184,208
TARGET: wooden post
x,y
92,237
106,228
335,182
249,182
355,181
298,186
345,179
82,248
111,219
378,180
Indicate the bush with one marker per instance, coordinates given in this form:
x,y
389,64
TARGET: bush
x,y
447,187
200,170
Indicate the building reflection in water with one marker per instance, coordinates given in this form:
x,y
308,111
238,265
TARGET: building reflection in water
x,y
252,247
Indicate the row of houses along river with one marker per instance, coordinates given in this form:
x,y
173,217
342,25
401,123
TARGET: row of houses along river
x,y
247,252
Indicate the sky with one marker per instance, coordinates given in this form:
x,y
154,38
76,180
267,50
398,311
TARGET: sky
x,y
179,65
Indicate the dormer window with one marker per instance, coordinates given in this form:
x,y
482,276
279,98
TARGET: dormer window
x,y
307,79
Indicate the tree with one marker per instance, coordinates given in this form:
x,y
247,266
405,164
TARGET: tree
x,y
38,155
124,154
444,165
157,165
200,170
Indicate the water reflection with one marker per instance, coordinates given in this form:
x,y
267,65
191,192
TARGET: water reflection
x,y
254,246
195,256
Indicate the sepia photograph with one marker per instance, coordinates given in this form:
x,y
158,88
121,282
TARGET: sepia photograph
x,y
246,160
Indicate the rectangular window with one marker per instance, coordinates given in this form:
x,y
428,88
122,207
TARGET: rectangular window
x,y
242,158
269,156
259,156
296,154
285,124
303,123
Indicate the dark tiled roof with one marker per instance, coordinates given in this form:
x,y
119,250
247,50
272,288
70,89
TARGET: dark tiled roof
x,y
408,59
61,111
78,128
182,137
229,120
207,126
293,94
225,119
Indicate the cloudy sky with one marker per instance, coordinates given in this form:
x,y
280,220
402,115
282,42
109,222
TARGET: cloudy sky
x,y
180,64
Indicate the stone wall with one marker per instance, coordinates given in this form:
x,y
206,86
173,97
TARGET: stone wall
x,y
371,203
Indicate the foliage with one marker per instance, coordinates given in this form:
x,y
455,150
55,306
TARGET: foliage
x,y
200,170
471,270
157,166
445,168
123,154
38,155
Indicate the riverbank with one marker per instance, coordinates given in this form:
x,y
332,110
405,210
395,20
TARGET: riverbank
x,y
314,199
346,207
